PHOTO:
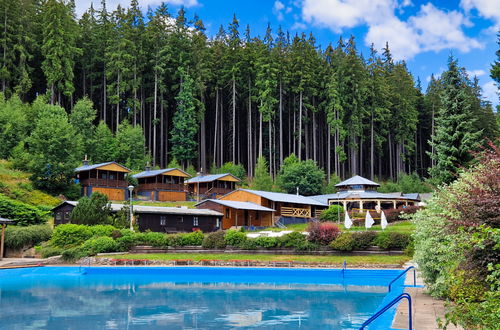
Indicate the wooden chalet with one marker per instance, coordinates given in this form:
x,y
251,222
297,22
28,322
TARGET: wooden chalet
x,y
237,214
107,178
156,218
162,185
300,208
212,185
359,194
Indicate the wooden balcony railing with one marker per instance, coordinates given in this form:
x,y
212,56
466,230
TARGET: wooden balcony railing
x,y
162,186
104,183
295,212
218,191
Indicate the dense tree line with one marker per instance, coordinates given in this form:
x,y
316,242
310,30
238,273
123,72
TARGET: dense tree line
x,y
135,88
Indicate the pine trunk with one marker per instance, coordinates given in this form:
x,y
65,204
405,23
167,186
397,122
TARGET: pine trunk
x,y
300,126
234,121
155,106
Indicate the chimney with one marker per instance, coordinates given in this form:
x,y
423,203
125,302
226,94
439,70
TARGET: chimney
x,y
297,191
148,167
85,161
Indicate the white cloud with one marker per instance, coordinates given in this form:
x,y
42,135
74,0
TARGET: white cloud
x,y
486,8
475,73
431,29
277,9
490,91
83,5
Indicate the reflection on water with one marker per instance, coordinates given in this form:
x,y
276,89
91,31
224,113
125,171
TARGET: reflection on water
x,y
145,302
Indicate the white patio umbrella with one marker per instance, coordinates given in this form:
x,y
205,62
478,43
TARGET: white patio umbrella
x,y
383,220
347,220
368,220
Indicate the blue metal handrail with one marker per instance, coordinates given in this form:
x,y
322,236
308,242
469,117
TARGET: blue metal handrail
x,y
389,305
404,272
344,267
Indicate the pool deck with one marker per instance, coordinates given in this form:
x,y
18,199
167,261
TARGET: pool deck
x,y
426,309
5,262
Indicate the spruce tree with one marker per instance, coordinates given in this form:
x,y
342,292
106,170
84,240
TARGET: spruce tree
x,y
262,180
130,146
104,145
454,136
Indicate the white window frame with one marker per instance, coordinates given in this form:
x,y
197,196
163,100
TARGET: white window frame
x,y
163,220
195,221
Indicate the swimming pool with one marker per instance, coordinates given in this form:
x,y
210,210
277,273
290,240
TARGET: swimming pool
x,y
193,298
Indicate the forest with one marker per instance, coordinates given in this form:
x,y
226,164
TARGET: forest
x,y
117,84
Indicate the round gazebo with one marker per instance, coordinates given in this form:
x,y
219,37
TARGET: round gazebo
x,y
4,222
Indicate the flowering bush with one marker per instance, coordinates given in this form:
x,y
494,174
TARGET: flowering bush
x,y
323,233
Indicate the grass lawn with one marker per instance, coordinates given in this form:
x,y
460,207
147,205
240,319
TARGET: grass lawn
x,y
400,226
333,260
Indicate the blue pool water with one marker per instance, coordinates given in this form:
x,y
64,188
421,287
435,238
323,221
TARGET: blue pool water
x,y
193,298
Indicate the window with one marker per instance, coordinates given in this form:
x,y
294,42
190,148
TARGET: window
x,y
163,221
195,221
111,176
228,213
180,219
66,215
58,216
217,223
104,175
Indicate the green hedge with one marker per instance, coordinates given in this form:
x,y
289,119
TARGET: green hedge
x,y
24,214
17,237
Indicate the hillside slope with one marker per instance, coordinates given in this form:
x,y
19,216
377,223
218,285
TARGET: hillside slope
x,y
16,184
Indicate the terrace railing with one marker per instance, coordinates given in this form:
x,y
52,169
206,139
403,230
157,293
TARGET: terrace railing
x,y
295,212
389,305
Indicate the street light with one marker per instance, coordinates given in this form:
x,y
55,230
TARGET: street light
x,y
130,190
198,190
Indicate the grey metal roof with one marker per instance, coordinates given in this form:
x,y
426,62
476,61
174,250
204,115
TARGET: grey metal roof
x,y
238,205
148,174
415,196
363,195
4,221
286,198
91,167
209,178
115,207
357,180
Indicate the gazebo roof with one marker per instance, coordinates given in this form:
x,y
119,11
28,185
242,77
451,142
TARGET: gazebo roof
x,y
357,180
4,221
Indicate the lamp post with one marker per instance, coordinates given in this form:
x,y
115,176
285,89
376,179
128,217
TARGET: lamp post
x,y
198,190
130,190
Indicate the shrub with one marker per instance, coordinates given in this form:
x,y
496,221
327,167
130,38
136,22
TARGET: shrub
x,y
322,233
74,254
50,251
17,237
192,239
70,235
249,244
234,237
345,242
102,230
392,240
154,239
99,245
126,242
174,240
398,214
214,240
293,239
24,214
266,242
334,213
91,210
363,239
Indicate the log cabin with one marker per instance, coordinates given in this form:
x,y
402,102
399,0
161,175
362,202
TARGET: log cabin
x,y
237,214
107,178
156,218
288,208
162,185
212,185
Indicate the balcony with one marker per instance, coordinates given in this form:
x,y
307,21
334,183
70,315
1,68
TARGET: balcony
x,y
104,183
162,186
295,212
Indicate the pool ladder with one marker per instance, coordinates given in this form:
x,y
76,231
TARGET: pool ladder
x,y
85,260
404,272
389,305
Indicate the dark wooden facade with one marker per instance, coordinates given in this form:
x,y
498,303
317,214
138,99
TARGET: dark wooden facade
x,y
62,212
172,223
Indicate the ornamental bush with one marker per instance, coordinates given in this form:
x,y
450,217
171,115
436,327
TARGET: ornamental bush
x,y
192,239
392,240
322,233
153,239
126,242
292,240
214,240
234,237
24,214
17,237
333,213
99,245
364,239
345,242
70,235
102,230
266,242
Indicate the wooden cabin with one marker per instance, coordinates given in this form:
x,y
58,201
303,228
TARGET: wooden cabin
x,y
106,178
290,206
359,194
156,218
212,185
162,185
237,214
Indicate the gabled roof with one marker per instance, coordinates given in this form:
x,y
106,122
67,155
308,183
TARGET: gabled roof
x,y
151,173
357,180
238,205
415,196
285,198
210,178
97,166
154,209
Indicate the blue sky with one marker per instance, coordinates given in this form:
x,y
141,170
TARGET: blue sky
x,y
423,33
